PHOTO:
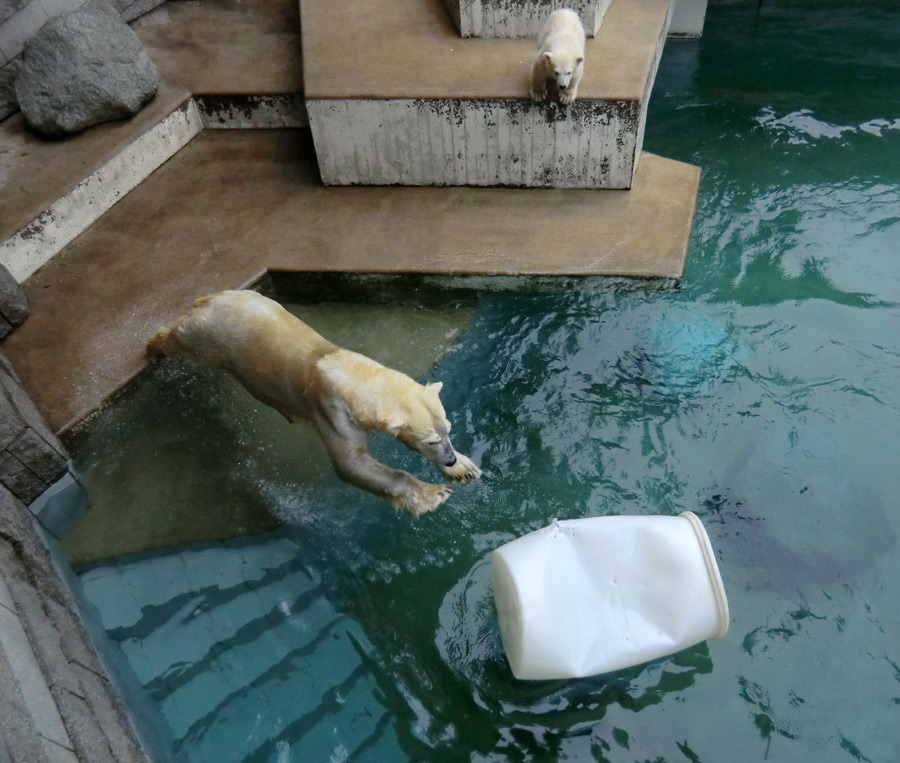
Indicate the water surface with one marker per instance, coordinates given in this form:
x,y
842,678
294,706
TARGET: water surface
x,y
762,394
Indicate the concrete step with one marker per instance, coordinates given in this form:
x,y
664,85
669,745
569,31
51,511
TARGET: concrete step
x,y
242,62
233,204
397,98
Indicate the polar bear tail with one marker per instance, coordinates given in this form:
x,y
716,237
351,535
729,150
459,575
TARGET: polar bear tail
x,y
162,343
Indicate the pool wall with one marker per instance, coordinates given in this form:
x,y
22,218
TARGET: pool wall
x,y
59,703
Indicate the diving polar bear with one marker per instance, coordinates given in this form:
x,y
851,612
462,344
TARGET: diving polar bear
x,y
285,364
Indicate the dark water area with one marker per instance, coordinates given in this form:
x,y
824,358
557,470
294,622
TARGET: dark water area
x,y
761,394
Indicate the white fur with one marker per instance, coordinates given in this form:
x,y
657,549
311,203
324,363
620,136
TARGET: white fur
x,y
285,364
560,56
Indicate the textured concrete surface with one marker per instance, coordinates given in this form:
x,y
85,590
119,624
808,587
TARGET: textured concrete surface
x,y
35,172
500,18
234,204
239,47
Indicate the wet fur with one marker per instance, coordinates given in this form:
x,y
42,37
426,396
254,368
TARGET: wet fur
x,y
288,366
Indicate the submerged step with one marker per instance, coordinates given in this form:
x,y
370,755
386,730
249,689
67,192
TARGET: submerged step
x,y
463,115
242,652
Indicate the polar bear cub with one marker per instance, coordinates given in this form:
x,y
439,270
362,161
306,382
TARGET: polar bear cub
x,y
560,56
285,364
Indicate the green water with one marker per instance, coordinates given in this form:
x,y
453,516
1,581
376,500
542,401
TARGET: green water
x,y
762,395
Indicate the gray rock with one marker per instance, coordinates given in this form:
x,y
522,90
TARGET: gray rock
x,y
83,68
13,303
19,479
8,103
38,455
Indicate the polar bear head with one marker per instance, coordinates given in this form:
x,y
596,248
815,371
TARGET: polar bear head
x,y
562,64
421,424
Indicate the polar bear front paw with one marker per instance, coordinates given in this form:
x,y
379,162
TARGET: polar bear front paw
x,y
566,97
464,470
426,497
538,93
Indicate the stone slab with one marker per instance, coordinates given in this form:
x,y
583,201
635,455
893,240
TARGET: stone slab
x,y
234,204
352,60
37,697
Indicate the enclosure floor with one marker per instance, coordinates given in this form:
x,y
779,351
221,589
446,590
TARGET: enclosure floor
x,y
219,47
233,204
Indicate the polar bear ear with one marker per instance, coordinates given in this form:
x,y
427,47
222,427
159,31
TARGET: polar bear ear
x,y
548,55
436,387
394,425
579,60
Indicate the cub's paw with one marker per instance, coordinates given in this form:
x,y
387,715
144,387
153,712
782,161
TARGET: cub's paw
x,y
538,94
426,497
566,97
464,470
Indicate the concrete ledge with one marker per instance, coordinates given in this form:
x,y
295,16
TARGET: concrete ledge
x,y
124,287
66,217
343,61
44,236
243,57
501,18
590,144
465,115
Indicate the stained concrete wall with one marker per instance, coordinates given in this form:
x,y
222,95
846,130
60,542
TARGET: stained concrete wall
x,y
591,144
524,18
520,18
687,18
58,704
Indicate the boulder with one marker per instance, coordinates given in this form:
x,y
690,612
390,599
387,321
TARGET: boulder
x,y
83,68
8,103
13,303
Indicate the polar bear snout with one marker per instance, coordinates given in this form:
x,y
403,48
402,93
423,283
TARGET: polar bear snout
x,y
446,455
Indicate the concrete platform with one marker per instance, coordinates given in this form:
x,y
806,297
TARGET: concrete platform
x,y
233,204
452,111
349,60
225,49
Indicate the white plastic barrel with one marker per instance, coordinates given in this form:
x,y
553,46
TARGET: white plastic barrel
x,y
589,596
